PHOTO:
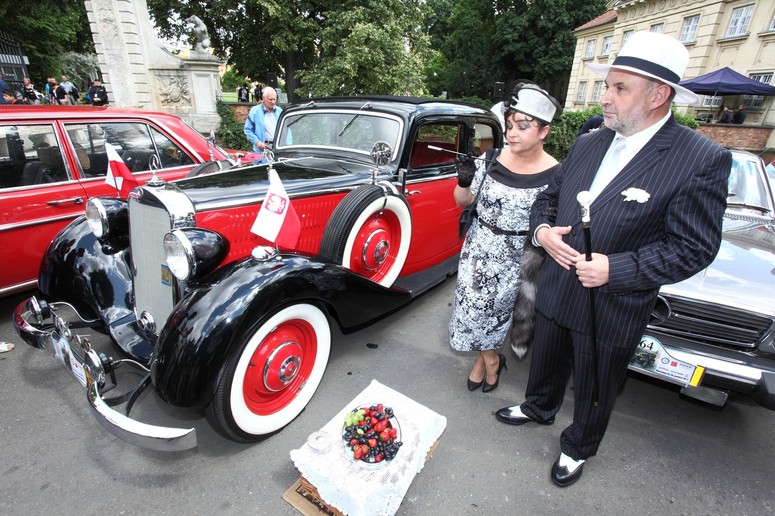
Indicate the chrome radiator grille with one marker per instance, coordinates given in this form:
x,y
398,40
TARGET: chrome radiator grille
x,y
709,323
153,282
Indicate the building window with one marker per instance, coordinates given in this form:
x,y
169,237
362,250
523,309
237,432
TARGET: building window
x,y
709,101
606,50
738,25
658,27
581,94
772,23
757,101
597,91
689,30
626,37
590,48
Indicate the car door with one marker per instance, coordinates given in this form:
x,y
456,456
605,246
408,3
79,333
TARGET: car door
x,y
430,183
39,195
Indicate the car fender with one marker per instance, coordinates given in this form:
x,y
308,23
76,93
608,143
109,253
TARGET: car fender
x,y
211,321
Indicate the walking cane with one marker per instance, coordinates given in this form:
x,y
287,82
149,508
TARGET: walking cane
x,y
585,199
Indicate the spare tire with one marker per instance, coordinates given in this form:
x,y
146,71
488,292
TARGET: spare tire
x,y
369,233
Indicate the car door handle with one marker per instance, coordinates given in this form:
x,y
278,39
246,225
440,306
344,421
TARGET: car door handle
x,y
412,192
74,200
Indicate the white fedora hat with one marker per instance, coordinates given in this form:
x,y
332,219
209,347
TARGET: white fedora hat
x,y
653,55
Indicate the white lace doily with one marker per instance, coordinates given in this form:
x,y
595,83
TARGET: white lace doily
x,y
353,489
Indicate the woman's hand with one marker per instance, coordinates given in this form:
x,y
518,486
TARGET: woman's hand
x,y
465,170
550,238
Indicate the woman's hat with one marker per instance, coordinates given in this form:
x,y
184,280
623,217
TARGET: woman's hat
x,y
653,55
531,100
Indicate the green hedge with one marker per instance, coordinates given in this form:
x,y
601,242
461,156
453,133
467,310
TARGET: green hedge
x,y
230,134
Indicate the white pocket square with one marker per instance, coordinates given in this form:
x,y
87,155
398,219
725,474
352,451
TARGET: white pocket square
x,y
636,194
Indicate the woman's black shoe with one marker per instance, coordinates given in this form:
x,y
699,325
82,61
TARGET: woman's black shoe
x,y
472,386
487,387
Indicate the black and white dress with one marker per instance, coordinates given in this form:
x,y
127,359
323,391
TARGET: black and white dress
x,y
489,268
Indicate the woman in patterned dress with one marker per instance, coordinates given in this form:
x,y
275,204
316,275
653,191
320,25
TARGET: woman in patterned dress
x,y
489,268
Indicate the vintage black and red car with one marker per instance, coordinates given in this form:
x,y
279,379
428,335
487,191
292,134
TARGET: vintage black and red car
x,y
53,158
222,320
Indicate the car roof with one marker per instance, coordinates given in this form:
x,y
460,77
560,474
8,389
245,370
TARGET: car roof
x,y
396,104
26,111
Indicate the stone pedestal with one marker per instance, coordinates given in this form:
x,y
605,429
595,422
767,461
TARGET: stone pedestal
x,y
139,72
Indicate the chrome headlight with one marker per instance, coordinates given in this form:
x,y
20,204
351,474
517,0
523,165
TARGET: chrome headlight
x,y
193,252
107,218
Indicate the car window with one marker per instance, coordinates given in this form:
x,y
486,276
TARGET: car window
x,y
30,155
746,185
484,139
433,144
138,144
349,130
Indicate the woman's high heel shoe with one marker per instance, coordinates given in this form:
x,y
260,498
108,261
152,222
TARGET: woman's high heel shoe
x,y
487,387
472,386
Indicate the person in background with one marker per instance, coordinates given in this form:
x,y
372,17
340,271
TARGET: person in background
x,y
488,277
740,114
261,122
98,94
257,92
593,123
726,116
657,193
9,97
71,90
50,87
3,87
242,93
30,94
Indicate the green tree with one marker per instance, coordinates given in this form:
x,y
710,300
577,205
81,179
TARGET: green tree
x,y
379,48
534,39
46,31
466,38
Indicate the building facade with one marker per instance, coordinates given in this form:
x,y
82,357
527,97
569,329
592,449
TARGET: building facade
x,y
739,34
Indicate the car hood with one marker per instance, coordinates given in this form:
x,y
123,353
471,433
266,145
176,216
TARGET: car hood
x,y
300,176
742,274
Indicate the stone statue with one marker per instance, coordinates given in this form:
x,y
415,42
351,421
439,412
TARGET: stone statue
x,y
199,33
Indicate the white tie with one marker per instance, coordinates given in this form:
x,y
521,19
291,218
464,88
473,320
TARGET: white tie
x,y
609,167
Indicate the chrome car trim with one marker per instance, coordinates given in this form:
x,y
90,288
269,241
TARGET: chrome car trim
x,y
18,287
147,436
93,375
8,227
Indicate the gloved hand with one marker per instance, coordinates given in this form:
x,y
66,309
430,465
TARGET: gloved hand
x,y
465,170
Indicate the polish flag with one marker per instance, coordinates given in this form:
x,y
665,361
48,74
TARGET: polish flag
x,y
277,220
119,176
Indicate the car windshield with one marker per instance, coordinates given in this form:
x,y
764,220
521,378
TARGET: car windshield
x,y
351,130
747,185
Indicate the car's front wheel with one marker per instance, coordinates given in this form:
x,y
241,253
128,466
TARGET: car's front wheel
x,y
273,374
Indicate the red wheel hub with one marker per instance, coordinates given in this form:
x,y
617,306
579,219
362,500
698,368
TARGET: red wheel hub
x,y
280,366
376,245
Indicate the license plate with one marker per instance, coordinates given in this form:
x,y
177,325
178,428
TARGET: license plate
x,y
65,353
652,358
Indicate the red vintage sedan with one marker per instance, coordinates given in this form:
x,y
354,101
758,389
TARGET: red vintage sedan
x,y
52,159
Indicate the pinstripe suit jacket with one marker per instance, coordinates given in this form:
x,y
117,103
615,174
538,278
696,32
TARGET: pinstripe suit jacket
x,y
672,236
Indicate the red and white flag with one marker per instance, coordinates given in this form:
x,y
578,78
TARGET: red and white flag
x,y
119,176
277,220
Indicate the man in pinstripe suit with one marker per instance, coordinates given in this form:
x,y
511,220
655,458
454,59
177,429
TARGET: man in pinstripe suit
x,y
658,201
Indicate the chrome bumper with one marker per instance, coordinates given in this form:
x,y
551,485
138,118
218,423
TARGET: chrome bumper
x,y
41,327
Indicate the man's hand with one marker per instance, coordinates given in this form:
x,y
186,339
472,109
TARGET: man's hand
x,y
593,273
465,170
550,238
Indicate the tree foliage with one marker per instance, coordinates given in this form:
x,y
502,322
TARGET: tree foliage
x,y
46,31
375,49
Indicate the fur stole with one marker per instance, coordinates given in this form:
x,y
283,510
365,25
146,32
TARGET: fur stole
x,y
520,334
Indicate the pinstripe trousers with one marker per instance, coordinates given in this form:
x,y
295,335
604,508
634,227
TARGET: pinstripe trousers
x,y
558,351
